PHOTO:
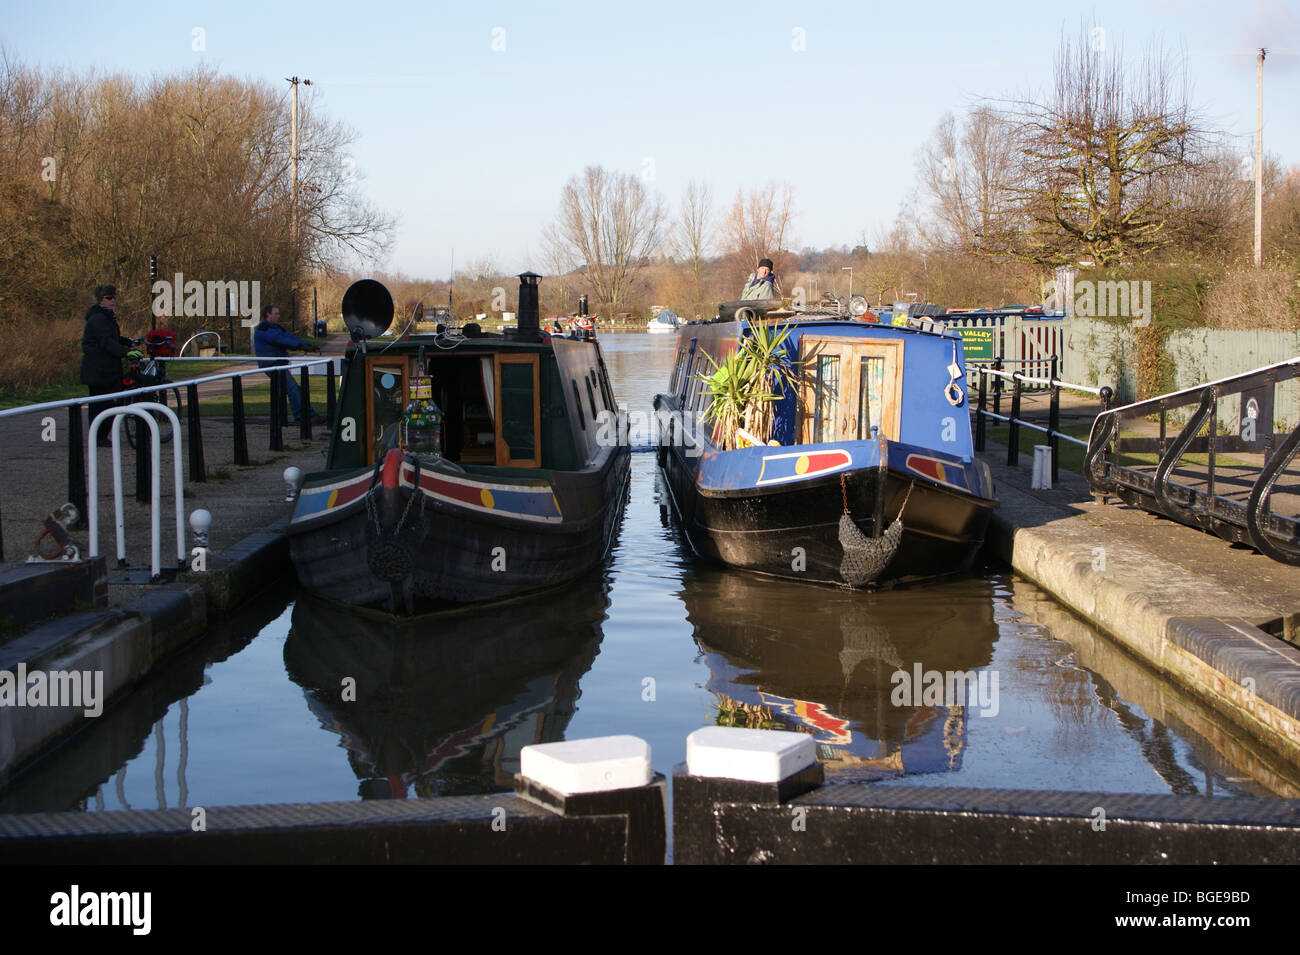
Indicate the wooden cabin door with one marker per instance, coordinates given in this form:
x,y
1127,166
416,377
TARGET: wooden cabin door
x,y
849,386
519,412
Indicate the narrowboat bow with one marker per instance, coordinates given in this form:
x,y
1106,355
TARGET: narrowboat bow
x,y
463,466
866,471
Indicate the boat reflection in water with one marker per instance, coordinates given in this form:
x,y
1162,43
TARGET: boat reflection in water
x,y
782,661
443,704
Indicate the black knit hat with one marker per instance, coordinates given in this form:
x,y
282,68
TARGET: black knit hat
x,y
105,291
765,263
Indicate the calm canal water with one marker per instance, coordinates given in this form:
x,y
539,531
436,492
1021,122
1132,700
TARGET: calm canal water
x,y
655,645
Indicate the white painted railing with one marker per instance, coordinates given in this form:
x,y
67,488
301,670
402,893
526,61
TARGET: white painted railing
x,y
142,410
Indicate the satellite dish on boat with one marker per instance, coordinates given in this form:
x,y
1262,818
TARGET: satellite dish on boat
x,y
367,307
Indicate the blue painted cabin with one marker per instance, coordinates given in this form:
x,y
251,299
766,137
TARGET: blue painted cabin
x,y
875,429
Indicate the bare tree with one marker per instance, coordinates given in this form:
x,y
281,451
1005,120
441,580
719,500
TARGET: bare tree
x,y
560,294
339,223
891,264
967,171
758,226
609,222
691,237
1099,157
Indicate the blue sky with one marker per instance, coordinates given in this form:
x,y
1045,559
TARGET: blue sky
x,y
470,145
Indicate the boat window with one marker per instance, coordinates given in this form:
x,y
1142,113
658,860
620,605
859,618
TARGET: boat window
x,y
870,395
591,400
386,401
607,391
693,384
517,409
577,403
826,393
685,384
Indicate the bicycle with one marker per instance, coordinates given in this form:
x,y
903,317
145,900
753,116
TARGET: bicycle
x,y
143,372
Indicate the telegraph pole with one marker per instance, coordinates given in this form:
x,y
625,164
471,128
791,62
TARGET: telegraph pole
x,y
293,81
1259,157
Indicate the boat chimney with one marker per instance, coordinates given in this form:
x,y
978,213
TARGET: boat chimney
x,y
529,310
582,305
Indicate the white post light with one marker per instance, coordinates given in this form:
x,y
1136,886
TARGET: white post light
x,y
200,524
292,479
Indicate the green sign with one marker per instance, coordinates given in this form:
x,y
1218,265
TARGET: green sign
x,y
977,343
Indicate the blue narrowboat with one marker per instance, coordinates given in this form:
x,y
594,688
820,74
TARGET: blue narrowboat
x,y
867,475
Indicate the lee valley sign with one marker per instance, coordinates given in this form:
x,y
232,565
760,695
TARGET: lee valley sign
x,y
977,343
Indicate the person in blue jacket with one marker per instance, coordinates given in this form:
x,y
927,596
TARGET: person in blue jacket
x,y
272,341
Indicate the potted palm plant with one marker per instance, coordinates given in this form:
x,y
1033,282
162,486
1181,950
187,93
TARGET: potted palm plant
x,y
742,387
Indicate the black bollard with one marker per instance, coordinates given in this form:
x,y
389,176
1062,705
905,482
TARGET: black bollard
x,y
304,409
329,393
997,387
277,401
241,433
143,456
197,470
284,398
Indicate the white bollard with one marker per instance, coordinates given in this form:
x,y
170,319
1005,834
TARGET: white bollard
x,y
1042,479
292,479
588,765
760,756
200,524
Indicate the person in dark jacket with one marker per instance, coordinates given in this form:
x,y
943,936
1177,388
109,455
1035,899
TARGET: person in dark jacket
x,y
272,341
102,351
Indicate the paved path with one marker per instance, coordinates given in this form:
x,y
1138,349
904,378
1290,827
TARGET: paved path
x,y
241,499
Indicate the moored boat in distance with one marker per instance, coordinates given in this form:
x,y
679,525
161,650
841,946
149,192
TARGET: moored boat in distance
x,y
464,466
865,474
664,322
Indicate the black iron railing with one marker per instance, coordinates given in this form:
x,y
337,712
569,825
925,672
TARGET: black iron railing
x,y
1133,455
991,384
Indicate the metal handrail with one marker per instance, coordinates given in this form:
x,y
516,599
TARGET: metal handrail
x,y
1020,376
1202,508
154,389
197,335
1193,393
1257,503
140,409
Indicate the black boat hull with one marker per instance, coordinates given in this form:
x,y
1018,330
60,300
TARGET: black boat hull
x,y
408,552
793,530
